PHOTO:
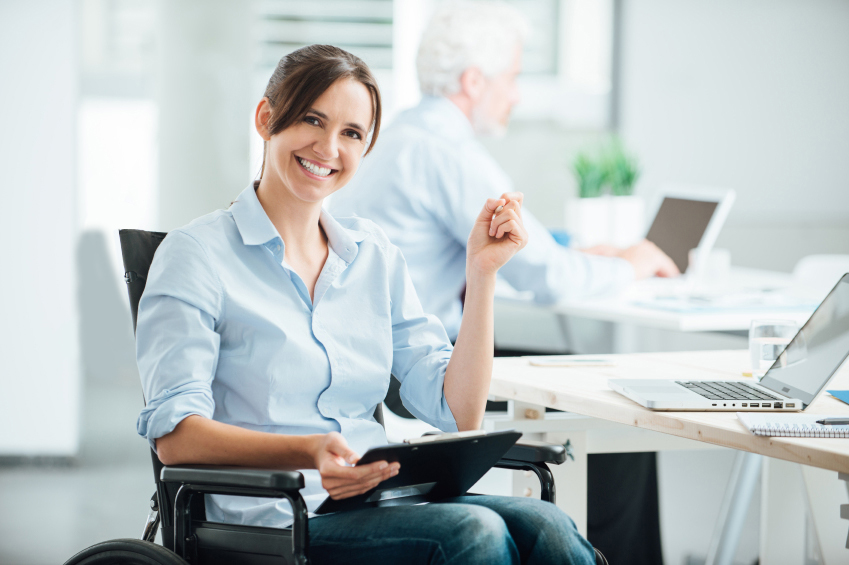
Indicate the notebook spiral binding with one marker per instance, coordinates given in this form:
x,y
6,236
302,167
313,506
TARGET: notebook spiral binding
x,y
800,430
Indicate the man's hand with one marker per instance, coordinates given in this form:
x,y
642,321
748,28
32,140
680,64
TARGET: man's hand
x,y
649,261
604,250
333,459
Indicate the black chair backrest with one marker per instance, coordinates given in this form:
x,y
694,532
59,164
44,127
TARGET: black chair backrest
x,y
137,250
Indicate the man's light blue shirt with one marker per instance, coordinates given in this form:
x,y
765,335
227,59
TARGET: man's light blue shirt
x,y
227,330
425,183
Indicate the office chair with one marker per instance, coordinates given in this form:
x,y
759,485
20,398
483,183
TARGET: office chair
x,y
176,507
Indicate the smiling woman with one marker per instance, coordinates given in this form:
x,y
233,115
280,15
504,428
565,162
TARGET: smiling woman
x,y
302,77
267,333
318,109
321,151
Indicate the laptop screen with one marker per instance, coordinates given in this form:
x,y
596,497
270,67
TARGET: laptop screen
x,y
679,226
814,355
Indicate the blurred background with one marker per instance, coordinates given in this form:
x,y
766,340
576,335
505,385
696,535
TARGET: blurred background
x,y
138,114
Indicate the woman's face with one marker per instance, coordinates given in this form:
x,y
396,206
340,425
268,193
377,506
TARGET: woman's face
x,y
318,155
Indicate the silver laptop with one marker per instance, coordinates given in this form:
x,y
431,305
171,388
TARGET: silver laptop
x,y
799,373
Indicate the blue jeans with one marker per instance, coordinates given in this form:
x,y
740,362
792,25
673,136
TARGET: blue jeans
x,y
467,529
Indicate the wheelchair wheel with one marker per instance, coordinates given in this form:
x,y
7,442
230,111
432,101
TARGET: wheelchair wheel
x,y
126,552
599,558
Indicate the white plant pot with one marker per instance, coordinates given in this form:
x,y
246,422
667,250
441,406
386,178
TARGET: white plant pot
x,y
627,220
588,220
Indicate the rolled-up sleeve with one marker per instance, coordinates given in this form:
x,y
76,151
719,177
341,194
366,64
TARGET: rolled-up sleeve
x,y
176,342
421,350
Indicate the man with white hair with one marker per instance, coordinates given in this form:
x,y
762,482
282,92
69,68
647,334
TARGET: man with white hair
x,y
422,184
423,180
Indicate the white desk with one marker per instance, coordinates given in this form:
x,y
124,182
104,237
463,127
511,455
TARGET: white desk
x,y
620,325
622,309
602,421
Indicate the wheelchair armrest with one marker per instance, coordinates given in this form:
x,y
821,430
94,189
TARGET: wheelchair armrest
x,y
533,456
191,480
233,477
536,452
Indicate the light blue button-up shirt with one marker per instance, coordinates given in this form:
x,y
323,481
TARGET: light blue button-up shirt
x,y
424,184
227,330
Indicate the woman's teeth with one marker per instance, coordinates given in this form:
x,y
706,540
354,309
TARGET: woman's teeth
x,y
314,169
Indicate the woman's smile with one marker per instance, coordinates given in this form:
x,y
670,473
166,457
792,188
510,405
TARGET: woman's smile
x,y
314,169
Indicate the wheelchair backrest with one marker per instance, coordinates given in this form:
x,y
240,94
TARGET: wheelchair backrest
x,y
137,250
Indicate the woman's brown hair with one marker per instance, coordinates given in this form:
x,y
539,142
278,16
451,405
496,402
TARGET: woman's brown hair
x,y
303,75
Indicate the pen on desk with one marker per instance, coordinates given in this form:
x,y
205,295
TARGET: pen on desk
x,y
834,421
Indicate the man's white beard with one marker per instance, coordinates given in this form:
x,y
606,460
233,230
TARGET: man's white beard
x,y
484,124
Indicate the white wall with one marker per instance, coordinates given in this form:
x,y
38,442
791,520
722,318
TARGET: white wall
x,y
205,104
39,378
749,95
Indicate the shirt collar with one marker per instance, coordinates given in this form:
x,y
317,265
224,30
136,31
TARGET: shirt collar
x,y
342,240
251,219
445,118
256,228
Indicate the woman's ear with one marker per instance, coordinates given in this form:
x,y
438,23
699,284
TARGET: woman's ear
x,y
261,118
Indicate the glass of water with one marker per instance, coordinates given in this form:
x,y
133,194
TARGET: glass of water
x,y
767,339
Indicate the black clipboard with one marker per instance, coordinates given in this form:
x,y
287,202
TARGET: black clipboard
x,y
430,470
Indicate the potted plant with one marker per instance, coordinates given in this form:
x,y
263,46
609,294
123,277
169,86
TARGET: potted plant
x,y
606,210
627,211
588,216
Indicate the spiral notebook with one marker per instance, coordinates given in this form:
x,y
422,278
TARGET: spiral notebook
x,y
790,425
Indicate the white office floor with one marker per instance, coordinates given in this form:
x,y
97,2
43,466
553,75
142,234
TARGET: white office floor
x,y
49,512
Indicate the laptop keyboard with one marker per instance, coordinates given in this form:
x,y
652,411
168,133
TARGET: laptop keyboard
x,y
726,390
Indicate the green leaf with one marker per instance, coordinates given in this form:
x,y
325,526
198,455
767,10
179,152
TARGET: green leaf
x,y
590,175
621,169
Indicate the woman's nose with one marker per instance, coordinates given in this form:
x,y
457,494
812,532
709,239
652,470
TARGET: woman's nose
x,y
326,147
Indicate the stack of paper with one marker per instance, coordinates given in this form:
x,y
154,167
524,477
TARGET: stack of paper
x,y
699,303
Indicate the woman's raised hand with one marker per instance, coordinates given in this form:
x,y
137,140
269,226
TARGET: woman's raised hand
x,y
497,234
334,460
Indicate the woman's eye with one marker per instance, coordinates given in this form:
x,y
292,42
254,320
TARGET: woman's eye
x,y
311,120
353,134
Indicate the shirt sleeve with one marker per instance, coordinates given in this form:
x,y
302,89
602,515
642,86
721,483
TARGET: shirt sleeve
x,y
176,342
421,350
551,271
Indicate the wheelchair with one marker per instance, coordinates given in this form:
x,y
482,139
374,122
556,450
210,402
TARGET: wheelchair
x,y
177,505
